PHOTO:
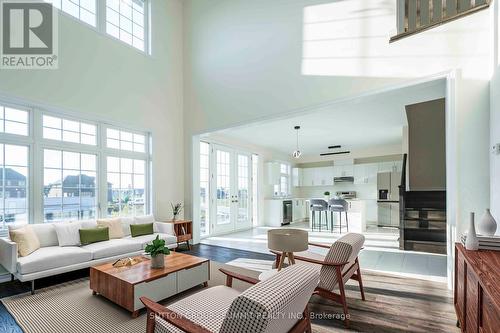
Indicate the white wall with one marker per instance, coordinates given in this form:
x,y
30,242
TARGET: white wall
x,y
99,76
247,60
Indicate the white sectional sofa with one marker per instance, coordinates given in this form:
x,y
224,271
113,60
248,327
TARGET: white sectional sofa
x,y
51,259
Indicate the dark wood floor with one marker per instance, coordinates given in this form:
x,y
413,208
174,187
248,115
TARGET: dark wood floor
x,y
215,253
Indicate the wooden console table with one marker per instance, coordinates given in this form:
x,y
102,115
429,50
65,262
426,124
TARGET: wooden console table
x,y
477,289
183,229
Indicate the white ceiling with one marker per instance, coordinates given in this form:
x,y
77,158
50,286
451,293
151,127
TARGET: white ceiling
x,y
366,122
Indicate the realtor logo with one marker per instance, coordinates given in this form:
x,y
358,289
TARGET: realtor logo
x,y
29,39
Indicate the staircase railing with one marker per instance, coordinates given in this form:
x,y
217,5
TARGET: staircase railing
x,y
414,16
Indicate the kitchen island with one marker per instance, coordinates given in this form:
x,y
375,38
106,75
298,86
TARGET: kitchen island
x,y
356,215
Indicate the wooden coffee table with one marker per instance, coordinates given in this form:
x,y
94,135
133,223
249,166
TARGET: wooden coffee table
x,y
124,285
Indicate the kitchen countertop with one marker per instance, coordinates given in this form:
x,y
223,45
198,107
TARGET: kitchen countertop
x,y
300,198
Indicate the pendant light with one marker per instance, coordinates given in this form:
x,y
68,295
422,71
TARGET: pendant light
x,y
297,152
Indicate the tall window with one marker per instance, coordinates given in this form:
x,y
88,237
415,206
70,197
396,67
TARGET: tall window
x,y
69,186
125,20
84,10
13,184
204,188
126,186
13,121
283,188
74,172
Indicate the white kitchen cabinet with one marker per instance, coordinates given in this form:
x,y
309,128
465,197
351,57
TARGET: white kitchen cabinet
x,y
297,177
273,173
347,171
365,173
343,170
337,171
323,176
308,177
385,166
398,165
317,176
392,166
299,210
359,174
273,212
371,171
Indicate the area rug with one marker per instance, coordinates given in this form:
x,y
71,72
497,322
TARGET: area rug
x,y
71,308
393,304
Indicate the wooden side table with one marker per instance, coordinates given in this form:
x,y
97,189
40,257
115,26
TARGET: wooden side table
x,y
183,230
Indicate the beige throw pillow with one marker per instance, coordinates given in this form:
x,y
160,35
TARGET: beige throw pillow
x,y
114,225
26,240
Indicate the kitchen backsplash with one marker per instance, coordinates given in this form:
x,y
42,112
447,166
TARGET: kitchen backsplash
x,y
363,191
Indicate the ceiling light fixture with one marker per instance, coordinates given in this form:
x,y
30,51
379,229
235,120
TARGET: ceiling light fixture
x,y
297,152
335,153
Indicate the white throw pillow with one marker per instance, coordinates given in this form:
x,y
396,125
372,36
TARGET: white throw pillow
x,y
88,224
68,234
45,232
126,222
114,225
26,240
146,219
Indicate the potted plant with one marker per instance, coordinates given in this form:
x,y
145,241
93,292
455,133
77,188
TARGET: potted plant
x,y
327,195
176,210
157,250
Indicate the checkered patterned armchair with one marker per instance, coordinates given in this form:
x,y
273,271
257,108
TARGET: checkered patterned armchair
x,y
340,264
278,304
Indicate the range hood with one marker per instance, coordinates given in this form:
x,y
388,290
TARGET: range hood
x,y
337,180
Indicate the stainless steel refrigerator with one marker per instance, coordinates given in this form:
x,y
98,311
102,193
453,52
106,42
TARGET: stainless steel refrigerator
x,y
388,198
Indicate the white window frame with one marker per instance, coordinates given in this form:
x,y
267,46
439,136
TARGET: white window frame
x,y
79,8
64,117
72,150
101,24
37,144
146,156
288,176
147,28
105,140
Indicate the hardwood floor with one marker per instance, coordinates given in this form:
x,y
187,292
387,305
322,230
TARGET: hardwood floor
x,y
394,304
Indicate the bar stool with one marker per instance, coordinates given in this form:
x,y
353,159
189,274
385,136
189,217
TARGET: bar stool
x,y
318,205
338,205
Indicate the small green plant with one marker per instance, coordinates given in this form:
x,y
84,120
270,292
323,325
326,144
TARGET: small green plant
x,y
157,247
327,193
176,209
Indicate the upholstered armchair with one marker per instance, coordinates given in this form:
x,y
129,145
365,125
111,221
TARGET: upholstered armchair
x,y
278,304
338,266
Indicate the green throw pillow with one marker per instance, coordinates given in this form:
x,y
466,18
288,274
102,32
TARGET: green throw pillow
x,y
93,235
141,229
